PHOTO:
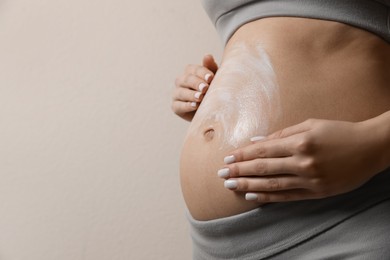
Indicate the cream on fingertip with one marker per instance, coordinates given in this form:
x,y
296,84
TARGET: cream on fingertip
x,y
207,77
231,184
197,95
257,138
251,196
229,159
223,173
202,86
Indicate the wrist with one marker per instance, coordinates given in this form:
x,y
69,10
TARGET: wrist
x,y
377,132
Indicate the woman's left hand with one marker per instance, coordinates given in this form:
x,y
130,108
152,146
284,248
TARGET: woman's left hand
x,y
310,160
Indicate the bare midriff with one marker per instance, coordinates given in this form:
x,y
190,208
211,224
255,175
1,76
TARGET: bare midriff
x,y
277,72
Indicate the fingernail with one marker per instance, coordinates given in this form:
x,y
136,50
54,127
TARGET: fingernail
x,y
251,196
229,159
193,104
202,86
223,173
207,77
197,95
231,184
257,138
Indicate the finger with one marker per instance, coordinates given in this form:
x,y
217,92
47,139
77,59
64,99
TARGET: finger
x,y
209,62
180,108
280,196
262,149
274,183
201,72
261,167
259,138
187,95
292,130
191,81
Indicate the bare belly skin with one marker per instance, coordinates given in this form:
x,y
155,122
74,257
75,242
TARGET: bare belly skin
x,y
277,72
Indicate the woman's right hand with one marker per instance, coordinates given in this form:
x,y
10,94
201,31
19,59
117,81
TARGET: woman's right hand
x,y
191,87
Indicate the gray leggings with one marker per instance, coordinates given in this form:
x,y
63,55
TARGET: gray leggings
x,y
355,225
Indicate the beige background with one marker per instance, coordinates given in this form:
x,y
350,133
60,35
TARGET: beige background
x,y
89,148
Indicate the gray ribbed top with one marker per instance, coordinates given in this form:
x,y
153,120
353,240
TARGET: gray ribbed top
x,y
229,15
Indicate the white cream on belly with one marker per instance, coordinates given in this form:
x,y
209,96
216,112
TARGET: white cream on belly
x,y
242,97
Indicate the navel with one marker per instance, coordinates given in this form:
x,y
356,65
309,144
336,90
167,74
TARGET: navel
x,y
209,134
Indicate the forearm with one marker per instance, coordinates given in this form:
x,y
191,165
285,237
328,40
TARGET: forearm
x,y
378,132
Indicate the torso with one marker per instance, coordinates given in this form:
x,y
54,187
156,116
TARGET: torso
x,y
277,72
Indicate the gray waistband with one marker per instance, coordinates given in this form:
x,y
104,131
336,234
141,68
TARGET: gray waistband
x,y
274,228
370,15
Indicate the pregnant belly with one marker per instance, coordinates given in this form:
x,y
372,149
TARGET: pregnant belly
x,y
263,86
243,101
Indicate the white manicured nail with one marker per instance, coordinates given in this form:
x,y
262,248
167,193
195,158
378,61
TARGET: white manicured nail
x,y
223,173
197,95
251,196
229,159
202,86
257,138
193,104
207,77
231,184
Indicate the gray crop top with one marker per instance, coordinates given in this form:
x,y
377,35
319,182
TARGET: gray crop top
x,y
371,15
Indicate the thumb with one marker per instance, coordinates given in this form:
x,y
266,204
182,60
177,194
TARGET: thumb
x,y
292,130
209,62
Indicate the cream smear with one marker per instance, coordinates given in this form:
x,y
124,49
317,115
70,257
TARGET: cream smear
x,y
242,97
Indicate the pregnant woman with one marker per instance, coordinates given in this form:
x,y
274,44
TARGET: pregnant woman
x,y
288,151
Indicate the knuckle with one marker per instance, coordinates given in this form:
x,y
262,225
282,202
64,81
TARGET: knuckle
x,y
273,184
315,183
319,194
308,165
310,121
320,186
243,185
178,81
173,96
323,194
239,155
260,151
234,171
189,68
260,166
286,197
264,197
276,135
282,133
179,110
173,107
176,94
199,71
305,145
186,78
